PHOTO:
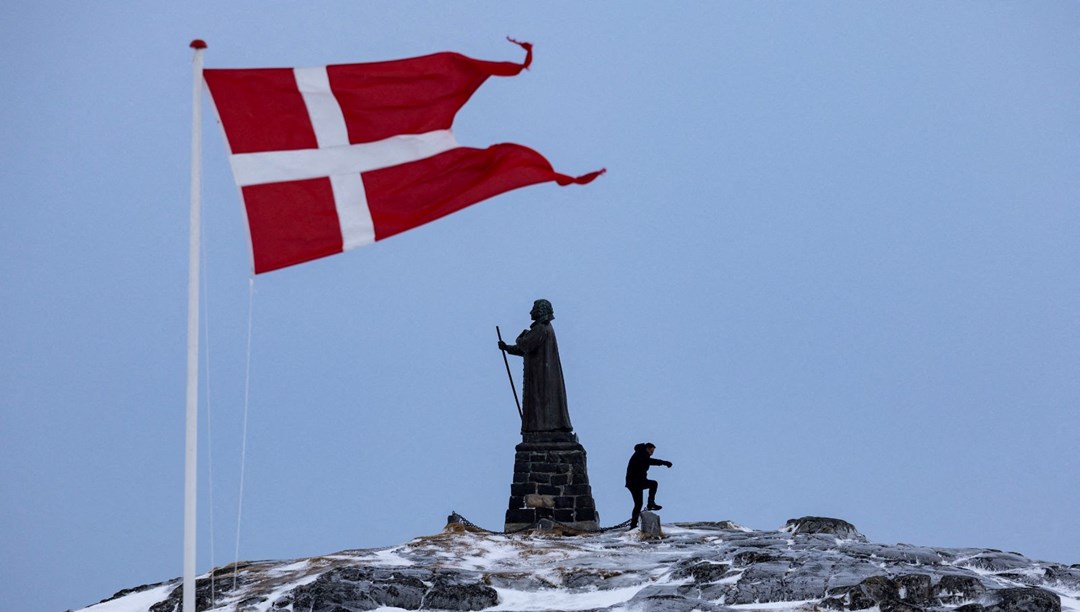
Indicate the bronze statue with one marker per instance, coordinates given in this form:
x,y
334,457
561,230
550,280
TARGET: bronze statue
x,y
543,392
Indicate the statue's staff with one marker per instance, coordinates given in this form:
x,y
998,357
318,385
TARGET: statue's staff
x,y
509,375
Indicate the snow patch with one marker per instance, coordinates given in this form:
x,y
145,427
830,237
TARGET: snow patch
x,y
290,568
783,606
135,602
530,601
391,557
1069,604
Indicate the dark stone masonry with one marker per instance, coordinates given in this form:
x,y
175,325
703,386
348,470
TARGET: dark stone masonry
x,y
551,481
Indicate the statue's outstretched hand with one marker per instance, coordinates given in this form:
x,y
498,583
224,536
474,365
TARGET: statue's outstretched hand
x,y
668,463
502,345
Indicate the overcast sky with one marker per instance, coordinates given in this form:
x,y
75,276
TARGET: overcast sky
x,y
832,270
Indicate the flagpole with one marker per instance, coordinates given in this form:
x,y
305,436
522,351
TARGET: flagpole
x,y
191,443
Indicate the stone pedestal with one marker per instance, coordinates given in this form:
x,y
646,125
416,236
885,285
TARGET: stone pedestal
x,y
650,525
551,481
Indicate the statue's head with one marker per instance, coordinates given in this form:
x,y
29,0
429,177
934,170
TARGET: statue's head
x,y
542,311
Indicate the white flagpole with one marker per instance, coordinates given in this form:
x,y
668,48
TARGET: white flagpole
x,y
191,442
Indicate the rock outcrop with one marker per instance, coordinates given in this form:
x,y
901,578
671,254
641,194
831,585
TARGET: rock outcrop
x,y
810,564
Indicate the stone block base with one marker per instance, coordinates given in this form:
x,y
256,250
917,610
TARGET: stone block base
x,y
551,481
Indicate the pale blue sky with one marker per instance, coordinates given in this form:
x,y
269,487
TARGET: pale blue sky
x,y
832,270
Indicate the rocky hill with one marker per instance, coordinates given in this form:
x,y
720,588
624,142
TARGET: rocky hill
x,y
809,564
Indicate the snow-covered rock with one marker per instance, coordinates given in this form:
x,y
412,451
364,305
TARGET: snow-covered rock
x,y
810,564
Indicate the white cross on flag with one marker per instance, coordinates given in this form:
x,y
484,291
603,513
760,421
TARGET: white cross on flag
x,y
336,157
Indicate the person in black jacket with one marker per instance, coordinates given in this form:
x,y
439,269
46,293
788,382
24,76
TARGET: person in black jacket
x,y
637,478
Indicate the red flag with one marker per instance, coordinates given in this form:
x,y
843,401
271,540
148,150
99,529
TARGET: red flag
x,y
336,157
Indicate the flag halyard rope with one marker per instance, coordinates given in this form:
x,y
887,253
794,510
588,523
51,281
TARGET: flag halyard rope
x,y
244,434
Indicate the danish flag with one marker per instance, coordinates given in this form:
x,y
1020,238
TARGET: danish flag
x,y
331,158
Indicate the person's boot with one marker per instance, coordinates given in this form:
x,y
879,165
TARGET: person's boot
x,y
653,505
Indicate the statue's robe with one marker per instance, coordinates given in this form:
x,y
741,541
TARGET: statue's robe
x,y
544,392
